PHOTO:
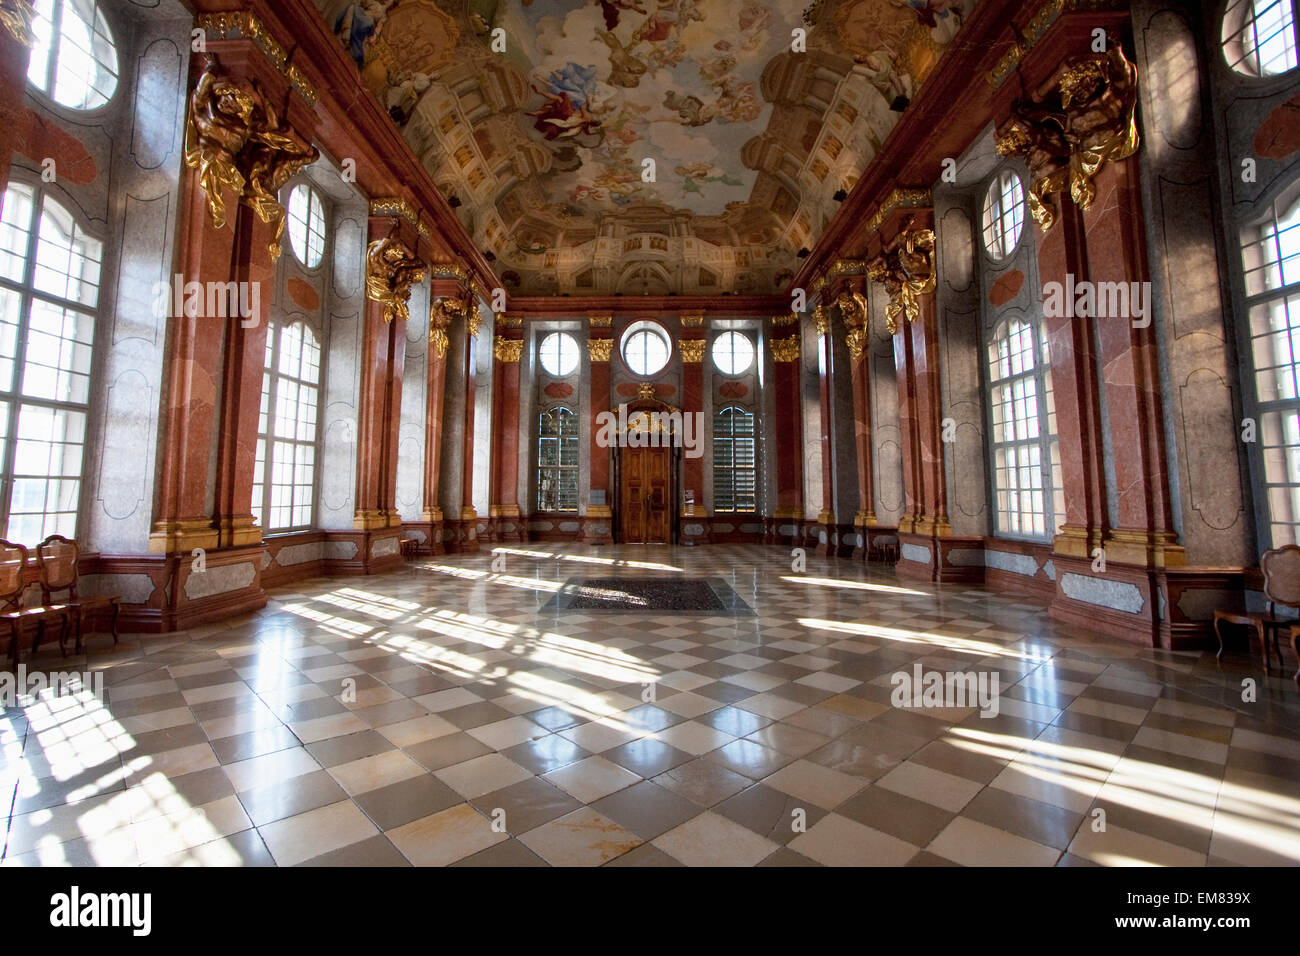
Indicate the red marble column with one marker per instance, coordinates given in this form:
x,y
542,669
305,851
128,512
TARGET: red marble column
x,y
927,416
383,360
435,401
789,434
905,370
184,516
1116,253
597,519
1077,393
507,348
241,390
467,527
860,372
215,376
694,519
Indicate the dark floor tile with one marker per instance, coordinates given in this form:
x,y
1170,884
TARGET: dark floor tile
x,y
291,797
526,805
374,851
647,757
255,743
545,754
769,812
647,809
400,803
339,750
446,751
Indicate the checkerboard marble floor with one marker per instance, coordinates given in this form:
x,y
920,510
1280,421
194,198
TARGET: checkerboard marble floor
x,y
436,715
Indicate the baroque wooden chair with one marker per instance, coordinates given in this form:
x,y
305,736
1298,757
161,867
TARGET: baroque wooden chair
x,y
13,583
1281,568
58,559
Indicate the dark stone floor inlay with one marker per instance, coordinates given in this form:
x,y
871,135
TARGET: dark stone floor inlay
x,y
674,595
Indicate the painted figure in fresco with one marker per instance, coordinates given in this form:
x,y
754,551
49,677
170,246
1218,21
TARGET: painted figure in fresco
x,y
625,69
357,24
695,174
882,69
561,118
943,17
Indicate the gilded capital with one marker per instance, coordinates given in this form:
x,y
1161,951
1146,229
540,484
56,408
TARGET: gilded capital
x,y
600,321
507,350
786,350
391,270
692,350
599,349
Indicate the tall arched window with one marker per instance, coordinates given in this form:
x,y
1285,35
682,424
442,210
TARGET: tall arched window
x,y
1028,498
287,437
49,290
557,460
735,473
1271,257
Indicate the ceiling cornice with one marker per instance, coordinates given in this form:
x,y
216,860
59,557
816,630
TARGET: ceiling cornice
x,y
353,124
672,306
913,152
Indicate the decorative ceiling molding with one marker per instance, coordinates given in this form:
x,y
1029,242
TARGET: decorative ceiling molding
x,y
244,24
540,147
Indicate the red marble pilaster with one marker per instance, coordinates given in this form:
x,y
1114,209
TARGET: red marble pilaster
x,y
693,524
1076,392
1116,253
789,434
597,520
827,537
932,488
432,517
241,391
467,526
383,359
860,370
506,520
910,451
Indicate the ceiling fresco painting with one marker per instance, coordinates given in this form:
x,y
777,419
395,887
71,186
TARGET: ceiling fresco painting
x,y
645,146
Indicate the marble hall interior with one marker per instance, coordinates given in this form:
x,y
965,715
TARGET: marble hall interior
x,y
649,432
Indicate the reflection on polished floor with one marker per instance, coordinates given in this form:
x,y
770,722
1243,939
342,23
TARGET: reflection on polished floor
x,y
438,716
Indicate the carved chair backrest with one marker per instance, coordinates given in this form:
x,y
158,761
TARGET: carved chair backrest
x,y
57,557
13,562
1281,568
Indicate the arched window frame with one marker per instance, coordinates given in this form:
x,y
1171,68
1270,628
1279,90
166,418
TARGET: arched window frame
x,y
735,460
558,451
1024,453
1252,25
48,21
288,437
69,353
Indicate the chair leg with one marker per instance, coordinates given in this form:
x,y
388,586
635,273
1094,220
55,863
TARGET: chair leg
x,y
79,647
1218,632
1262,631
40,633
117,609
1295,649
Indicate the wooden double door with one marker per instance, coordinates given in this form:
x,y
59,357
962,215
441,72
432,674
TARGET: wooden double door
x,y
645,495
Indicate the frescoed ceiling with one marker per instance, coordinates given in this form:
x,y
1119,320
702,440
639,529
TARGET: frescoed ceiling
x,y
645,146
